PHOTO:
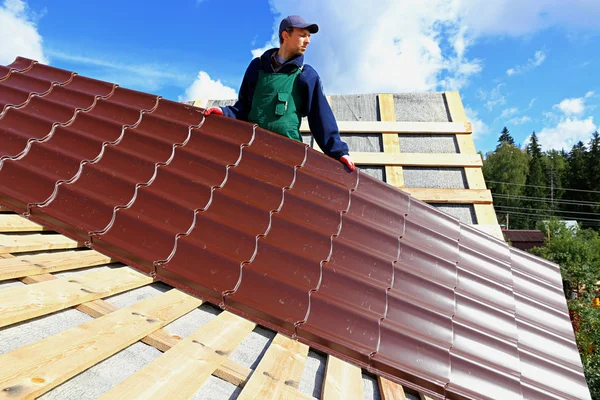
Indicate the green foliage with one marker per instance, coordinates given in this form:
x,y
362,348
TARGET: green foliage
x,y
577,251
507,164
536,178
586,325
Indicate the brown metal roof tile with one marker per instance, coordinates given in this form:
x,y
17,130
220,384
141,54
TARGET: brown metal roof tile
x,y
278,233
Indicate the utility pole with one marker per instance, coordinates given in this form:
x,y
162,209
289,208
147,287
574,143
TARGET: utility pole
x,y
507,221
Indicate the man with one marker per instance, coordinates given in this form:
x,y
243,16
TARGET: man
x,y
278,89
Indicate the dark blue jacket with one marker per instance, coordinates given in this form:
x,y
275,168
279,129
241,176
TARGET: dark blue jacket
x,y
314,104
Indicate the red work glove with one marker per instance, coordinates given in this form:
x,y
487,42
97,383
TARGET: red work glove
x,y
347,161
213,110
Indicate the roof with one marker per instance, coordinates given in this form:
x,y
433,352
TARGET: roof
x,y
515,235
285,238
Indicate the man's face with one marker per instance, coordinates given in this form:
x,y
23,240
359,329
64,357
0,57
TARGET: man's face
x,y
297,41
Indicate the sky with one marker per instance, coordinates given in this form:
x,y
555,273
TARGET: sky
x,y
529,65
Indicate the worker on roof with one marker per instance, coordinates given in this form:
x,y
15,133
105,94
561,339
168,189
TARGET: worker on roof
x,y
278,89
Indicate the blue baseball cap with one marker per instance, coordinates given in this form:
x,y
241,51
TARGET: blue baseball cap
x,y
296,21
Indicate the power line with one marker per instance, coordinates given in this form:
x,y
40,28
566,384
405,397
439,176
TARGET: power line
x,y
544,187
555,216
539,209
540,199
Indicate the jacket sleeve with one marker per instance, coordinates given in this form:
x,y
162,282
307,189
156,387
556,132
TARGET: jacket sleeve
x,y
320,117
241,108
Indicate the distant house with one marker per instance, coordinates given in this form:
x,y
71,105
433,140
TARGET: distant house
x,y
524,239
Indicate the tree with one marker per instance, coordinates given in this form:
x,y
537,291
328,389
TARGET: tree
x,y
555,165
593,170
505,137
505,171
536,182
578,179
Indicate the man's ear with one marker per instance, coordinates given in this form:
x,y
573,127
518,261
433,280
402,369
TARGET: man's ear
x,y
285,35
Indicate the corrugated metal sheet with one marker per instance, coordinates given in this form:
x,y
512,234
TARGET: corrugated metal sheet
x,y
279,233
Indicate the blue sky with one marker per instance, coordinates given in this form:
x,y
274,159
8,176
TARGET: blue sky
x,y
528,65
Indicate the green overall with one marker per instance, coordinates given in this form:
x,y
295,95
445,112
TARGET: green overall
x,y
275,102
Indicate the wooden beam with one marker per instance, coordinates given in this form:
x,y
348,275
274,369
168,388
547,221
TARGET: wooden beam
x,y
35,242
484,214
181,371
418,159
16,223
452,196
278,373
21,303
491,229
407,128
160,339
390,390
391,143
38,367
5,209
342,380
27,265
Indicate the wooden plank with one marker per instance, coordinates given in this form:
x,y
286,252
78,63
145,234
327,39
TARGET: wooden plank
x,y
16,223
484,214
423,396
278,374
27,265
390,390
202,103
4,209
491,229
342,380
181,371
40,366
35,242
418,159
391,143
230,371
408,128
26,302
453,196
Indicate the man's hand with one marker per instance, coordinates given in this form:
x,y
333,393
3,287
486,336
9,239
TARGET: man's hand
x,y
213,110
347,161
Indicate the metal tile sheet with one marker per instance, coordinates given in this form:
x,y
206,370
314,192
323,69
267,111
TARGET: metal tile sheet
x,y
278,233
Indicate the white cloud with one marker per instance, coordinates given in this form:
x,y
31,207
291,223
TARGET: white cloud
x,y
479,127
417,45
206,88
509,112
142,76
574,106
531,103
532,63
519,120
568,132
18,33
493,98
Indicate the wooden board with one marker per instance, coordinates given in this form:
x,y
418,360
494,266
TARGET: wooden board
x,y
390,390
42,365
416,128
391,143
160,339
35,242
183,369
278,373
26,265
21,303
342,381
452,196
417,159
484,214
16,223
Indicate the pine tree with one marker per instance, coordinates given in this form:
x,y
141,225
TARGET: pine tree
x,y
593,170
536,182
505,137
577,178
